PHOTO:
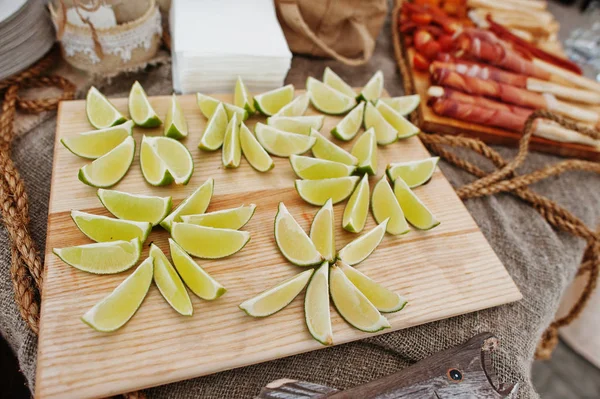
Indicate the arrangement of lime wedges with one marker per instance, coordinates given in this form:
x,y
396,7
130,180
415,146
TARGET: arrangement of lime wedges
x,y
140,110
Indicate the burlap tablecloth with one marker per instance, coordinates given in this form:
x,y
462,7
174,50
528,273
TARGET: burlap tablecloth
x,y
541,260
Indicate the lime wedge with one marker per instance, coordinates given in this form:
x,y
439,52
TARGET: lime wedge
x,y
111,167
242,97
404,128
414,173
196,278
383,299
255,154
274,299
403,105
327,99
296,124
169,283
175,123
209,242
297,107
195,203
332,80
100,112
208,106
357,208
135,207
415,211
103,257
317,192
373,89
140,110
280,143
94,144
347,128
385,133
316,306
214,133
232,152
314,168
292,241
385,206
103,229
325,149
116,309
322,231
353,305
234,218
273,101
365,150
358,250
164,160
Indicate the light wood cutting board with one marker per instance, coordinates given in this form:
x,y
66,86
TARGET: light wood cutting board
x,y
444,272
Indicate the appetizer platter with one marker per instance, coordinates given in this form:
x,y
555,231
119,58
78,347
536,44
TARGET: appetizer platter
x,y
482,68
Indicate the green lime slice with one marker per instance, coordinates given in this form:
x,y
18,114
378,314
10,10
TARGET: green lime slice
x,y
242,97
322,231
296,124
315,168
140,110
347,128
353,305
273,101
103,257
415,211
325,149
175,124
373,89
195,203
316,306
297,107
332,80
383,299
135,207
317,192
327,99
234,218
403,105
384,131
414,173
116,309
208,106
169,283
385,206
280,143
292,241
404,128
232,151
254,153
357,208
358,250
209,242
100,112
196,278
365,151
102,228
164,160
111,167
94,144
274,299
214,133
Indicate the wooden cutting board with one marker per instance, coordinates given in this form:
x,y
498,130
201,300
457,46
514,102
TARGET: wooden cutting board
x,y
444,272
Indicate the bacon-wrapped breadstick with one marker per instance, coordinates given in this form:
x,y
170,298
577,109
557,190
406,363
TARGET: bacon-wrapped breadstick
x,y
438,91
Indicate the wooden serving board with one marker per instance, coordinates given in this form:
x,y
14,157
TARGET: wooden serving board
x,y
444,272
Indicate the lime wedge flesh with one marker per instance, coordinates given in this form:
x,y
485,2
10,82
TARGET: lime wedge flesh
x,y
296,124
110,168
273,101
297,107
403,105
195,203
232,152
208,242
292,241
214,133
242,97
163,159
322,231
332,80
373,89
325,149
414,173
103,229
102,258
353,305
347,128
280,143
274,299
100,112
154,170
358,250
365,151
316,306
385,206
135,207
404,128
317,192
254,153
415,211
314,168
94,144
175,123
140,110
384,131
234,218
327,99
169,283
357,208
208,106
115,310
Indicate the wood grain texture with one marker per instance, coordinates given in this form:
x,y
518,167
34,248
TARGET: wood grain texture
x,y
444,272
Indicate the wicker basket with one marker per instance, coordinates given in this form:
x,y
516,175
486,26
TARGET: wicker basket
x,y
106,51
